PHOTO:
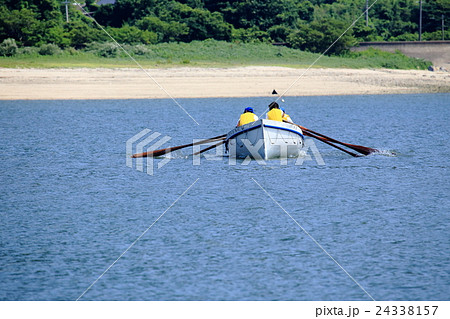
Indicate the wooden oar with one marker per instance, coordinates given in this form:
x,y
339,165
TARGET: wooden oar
x,y
210,147
175,148
360,149
306,133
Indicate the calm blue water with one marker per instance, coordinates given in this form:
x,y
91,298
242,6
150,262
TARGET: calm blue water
x,y
70,206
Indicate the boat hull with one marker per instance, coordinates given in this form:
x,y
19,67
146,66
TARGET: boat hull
x,y
265,139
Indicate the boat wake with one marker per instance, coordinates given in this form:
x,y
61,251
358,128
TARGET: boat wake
x,y
177,155
301,154
388,153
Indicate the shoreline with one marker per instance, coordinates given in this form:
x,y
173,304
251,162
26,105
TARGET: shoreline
x,y
250,81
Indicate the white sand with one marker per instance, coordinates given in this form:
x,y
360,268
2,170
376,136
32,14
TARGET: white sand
x,y
50,84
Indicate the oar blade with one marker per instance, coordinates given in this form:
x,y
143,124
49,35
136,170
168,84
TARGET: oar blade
x,y
153,153
362,149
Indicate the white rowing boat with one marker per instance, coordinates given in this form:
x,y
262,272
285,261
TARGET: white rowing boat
x,y
265,139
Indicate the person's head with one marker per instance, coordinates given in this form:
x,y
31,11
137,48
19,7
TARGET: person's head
x,y
248,109
282,110
274,105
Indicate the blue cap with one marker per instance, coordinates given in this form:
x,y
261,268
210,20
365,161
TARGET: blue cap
x,y
283,110
248,109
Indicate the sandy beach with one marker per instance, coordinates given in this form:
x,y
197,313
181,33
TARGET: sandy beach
x,y
52,84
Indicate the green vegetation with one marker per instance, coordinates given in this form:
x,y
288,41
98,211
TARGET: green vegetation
x,y
208,53
149,27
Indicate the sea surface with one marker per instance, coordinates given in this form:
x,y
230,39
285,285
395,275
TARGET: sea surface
x,y
78,223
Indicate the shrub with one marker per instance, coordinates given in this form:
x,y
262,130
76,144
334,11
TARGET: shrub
x,y
429,36
133,35
71,51
141,50
28,51
252,34
8,47
105,50
389,60
49,49
108,50
405,37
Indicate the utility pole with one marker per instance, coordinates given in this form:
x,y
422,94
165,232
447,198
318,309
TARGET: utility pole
x,y
420,20
67,10
367,13
443,31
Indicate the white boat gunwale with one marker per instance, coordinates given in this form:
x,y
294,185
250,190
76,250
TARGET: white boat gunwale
x,y
259,125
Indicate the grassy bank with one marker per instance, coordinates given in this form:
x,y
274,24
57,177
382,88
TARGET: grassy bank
x,y
203,54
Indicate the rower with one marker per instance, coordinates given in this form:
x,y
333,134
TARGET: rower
x,y
286,117
274,114
247,117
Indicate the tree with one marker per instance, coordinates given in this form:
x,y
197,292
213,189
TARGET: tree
x,y
43,9
432,15
320,35
305,24
279,33
21,25
395,18
80,33
166,31
202,23
305,10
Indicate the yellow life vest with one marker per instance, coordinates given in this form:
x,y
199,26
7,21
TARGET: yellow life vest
x,y
246,118
275,115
